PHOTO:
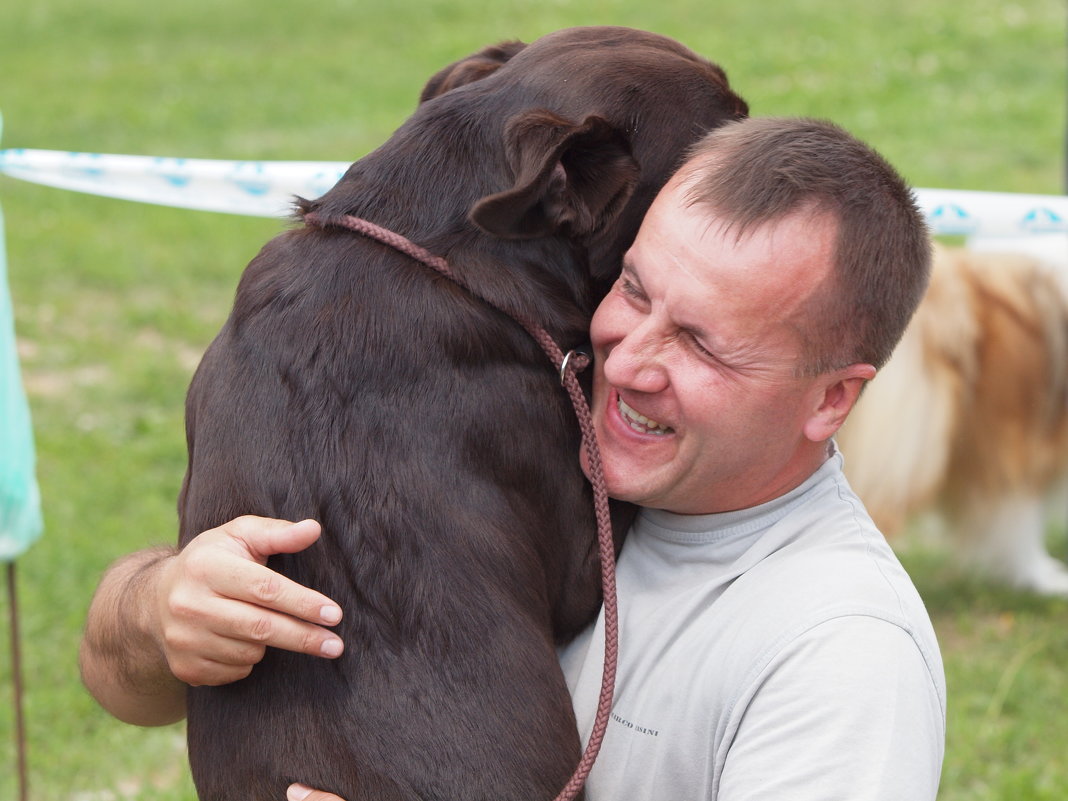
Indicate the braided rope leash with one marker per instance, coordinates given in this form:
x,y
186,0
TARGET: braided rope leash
x,y
567,365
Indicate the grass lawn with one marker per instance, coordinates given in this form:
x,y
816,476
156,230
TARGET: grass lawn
x,y
115,301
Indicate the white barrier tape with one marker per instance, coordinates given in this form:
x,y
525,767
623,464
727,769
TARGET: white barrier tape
x,y
254,188
266,189
962,211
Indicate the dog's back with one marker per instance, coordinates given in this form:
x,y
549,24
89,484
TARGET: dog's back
x,y
426,432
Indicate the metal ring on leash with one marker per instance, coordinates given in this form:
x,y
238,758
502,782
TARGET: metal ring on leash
x,y
567,359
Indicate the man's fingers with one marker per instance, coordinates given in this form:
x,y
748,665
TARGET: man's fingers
x,y
209,673
261,626
300,792
260,586
248,622
229,574
220,606
264,536
237,642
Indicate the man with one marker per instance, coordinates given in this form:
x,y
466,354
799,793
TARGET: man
x,y
771,645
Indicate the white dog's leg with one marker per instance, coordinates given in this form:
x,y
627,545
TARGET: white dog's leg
x,y
1007,540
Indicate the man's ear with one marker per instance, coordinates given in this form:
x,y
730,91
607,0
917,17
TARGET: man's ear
x,y
470,69
573,177
837,392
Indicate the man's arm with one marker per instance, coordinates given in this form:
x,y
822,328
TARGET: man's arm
x,y
121,661
164,619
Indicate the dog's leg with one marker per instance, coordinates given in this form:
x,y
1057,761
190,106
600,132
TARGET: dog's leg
x,y
1006,541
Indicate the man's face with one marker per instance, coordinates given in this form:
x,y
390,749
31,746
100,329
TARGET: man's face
x,y
696,403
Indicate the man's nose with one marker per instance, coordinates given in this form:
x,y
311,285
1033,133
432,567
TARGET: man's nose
x,y
636,362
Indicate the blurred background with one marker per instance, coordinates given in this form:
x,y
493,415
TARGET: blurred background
x,y
115,301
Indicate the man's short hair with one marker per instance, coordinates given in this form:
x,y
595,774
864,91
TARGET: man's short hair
x,y
758,170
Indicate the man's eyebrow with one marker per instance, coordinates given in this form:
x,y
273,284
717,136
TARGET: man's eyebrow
x,y
628,269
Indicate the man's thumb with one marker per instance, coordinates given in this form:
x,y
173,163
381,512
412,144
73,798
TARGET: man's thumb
x,y
264,536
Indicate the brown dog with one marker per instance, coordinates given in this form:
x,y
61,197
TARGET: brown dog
x,y
428,433
969,418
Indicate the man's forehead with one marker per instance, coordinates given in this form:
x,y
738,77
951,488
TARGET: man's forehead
x,y
688,189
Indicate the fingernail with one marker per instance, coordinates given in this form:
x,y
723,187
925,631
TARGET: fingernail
x,y
331,648
298,792
330,615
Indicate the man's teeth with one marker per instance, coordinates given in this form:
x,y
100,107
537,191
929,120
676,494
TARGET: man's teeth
x,y
639,422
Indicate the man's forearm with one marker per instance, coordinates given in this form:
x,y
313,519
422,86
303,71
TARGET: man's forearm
x,y
122,662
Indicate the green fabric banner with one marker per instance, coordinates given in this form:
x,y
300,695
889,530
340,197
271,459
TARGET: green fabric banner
x,y
20,498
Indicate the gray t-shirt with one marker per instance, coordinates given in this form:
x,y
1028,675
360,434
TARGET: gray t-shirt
x,y
778,652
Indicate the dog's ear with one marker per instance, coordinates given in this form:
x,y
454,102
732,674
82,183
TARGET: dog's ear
x,y
468,70
569,177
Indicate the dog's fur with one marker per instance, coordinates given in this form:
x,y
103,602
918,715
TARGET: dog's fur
x,y
428,433
970,417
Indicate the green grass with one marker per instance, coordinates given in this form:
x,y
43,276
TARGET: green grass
x,y
115,301
1004,655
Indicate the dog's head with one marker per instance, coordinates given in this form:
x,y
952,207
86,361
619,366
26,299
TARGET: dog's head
x,y
599,118
570,137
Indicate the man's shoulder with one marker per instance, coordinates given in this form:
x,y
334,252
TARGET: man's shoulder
x,y
823,561
829,564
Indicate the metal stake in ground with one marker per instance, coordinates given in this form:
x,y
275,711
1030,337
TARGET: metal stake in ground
x,y
16,674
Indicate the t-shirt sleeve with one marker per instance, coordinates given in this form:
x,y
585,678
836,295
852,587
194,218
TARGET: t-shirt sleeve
x,y
848,710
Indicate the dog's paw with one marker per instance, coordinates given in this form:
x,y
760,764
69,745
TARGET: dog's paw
x,y
1045,575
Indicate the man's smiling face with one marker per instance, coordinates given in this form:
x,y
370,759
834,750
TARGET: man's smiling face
x,y
697,401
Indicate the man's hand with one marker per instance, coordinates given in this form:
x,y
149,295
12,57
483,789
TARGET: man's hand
x,y
163,619
300,792
219,606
